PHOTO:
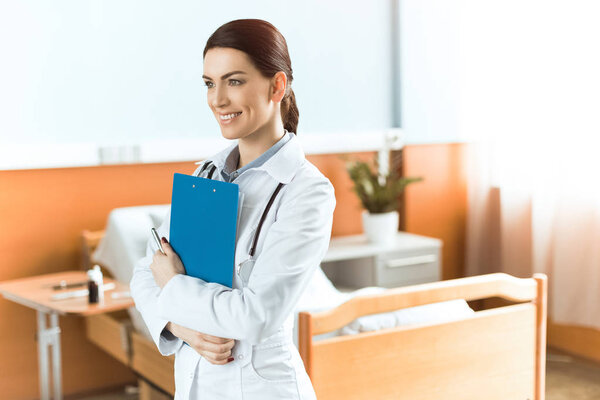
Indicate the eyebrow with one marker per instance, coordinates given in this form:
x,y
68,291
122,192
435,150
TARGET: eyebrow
x,y
227,75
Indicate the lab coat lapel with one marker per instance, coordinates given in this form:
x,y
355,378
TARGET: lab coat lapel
x,y
286,162
282,166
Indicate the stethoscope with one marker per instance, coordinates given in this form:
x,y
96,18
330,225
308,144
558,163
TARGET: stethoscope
x,y
245,267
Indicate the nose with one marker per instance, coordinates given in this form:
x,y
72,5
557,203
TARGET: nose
x,y
219,97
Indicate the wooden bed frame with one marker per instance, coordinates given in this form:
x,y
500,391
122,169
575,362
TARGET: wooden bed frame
x,y
497,353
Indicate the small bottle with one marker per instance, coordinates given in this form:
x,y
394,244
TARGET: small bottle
x,y
92,288
95,285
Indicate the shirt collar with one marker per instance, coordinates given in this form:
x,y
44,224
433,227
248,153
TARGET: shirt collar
x,y
282,166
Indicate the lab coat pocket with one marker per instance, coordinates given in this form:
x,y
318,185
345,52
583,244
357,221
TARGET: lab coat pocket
x,y
273,362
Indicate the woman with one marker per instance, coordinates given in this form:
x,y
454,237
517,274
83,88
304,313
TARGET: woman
x,y
237,343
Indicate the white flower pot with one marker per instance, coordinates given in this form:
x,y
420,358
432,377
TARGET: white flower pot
x,y
380,228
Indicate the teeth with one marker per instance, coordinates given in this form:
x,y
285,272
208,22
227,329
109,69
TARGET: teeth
x,y
229,116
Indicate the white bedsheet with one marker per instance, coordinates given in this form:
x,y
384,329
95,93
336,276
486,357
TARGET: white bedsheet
x,y
127,232
322,295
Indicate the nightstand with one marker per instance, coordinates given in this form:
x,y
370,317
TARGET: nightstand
x,y
353,262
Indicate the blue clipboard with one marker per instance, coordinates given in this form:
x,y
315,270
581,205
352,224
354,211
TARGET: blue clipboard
x,y
204,215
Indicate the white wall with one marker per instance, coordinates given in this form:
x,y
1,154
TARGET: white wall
x,y
475,70
123,72
429,70
531,69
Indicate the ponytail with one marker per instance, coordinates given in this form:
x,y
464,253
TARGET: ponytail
x,y
289,112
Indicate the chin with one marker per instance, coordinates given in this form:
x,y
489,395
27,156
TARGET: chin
x,y
232,134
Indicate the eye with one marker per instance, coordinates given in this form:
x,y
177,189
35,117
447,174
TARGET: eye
x,y
235,80
208,84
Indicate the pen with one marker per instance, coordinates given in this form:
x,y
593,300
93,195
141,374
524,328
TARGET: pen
x,y
79,293
64,285
157,240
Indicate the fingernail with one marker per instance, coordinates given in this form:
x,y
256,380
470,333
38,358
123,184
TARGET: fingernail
x,y
164,240
230,359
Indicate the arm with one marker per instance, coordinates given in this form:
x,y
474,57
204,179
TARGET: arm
x,y
145,291
293,248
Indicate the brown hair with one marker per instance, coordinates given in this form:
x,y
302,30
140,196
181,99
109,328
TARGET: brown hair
x,y
267,49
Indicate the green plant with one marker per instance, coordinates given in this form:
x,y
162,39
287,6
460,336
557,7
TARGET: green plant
x,y
378,193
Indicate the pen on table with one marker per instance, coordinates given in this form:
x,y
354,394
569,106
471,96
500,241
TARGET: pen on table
x,y
120,295
79,293
63,284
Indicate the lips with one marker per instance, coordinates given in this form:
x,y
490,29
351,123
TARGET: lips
x,y
230,117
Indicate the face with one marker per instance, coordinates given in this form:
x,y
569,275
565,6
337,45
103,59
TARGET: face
x,y
243,101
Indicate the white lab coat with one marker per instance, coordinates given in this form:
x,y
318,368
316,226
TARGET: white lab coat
x,y
258,311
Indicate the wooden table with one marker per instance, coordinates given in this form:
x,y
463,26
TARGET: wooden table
x,y
36,293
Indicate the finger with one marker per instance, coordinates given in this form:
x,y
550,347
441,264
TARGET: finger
x,y
217,357
206,355
166,245
217,348
221,356
215,339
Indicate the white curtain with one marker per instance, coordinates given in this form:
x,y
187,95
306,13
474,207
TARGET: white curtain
x,y
531,98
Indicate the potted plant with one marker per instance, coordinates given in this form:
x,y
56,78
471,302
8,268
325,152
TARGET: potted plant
x,y
378,191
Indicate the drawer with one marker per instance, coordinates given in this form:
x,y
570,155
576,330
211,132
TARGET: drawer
x,y
153,366
353,273
407,268
111,332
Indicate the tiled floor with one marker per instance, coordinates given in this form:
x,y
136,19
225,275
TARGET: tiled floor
x,y
567,378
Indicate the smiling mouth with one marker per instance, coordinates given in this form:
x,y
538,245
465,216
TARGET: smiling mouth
x,y
229,117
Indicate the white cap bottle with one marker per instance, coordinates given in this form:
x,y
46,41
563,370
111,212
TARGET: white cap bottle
x,y
95,275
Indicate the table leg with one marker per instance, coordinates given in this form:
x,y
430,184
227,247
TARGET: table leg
x,y
49,337
43,356
56,359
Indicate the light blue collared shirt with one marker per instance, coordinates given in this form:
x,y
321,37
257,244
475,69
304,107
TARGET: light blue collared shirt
x,y
231,162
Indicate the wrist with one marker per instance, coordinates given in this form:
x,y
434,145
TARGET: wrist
x,y
168,279
171,328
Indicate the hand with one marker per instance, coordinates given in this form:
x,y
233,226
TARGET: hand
x,y
166,266
214,349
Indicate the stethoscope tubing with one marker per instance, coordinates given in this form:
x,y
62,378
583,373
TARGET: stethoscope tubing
x,y
264,214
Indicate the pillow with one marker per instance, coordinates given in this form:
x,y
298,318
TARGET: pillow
x,y
125,238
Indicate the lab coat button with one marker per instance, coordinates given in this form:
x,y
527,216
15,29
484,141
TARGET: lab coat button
x,y
241,356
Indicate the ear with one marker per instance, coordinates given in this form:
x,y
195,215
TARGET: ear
x,y
279,83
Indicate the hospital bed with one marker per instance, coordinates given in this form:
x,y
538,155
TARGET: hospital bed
x,y
416,342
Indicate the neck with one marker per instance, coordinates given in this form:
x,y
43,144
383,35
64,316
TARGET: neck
x,y
255,144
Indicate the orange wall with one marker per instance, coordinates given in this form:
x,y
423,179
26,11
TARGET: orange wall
x,y
437,207
42,213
